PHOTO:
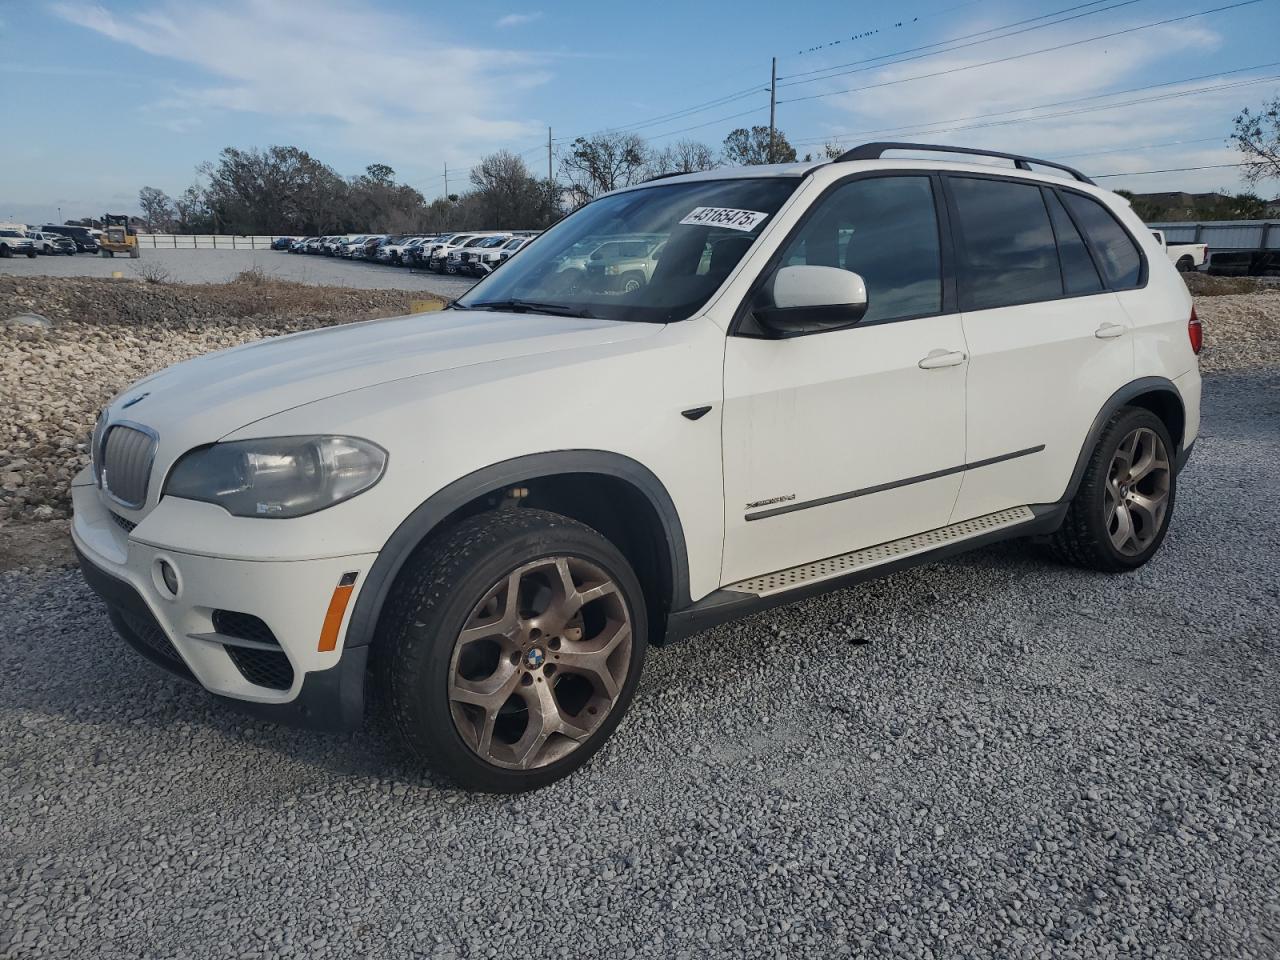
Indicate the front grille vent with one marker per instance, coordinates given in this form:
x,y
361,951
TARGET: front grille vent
x,y
126,464
128,526
243,626
264,668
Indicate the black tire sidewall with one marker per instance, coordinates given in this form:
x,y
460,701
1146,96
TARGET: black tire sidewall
x,y
418,675
1096,489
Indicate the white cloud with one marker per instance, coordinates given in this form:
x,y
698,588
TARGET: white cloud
x,y
951,108
518,19
395,89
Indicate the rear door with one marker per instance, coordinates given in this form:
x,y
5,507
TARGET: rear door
x,y
1049,341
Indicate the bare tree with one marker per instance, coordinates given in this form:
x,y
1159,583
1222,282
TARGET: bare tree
x,y
602,163
683,156
1257,136
157,208
747,148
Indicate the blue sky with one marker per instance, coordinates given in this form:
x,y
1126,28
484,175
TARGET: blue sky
x,y
102,98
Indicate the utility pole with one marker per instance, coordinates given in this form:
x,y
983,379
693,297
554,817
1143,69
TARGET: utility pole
x,y
773,106
446,179
549,176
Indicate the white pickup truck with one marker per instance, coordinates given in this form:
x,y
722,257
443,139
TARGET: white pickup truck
x,y
1185,256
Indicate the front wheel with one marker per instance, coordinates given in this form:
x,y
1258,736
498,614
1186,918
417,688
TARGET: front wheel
x,y
511,650
1121,511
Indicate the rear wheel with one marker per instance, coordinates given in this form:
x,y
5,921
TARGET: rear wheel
x,y
511,650
5,252
1185,264
1121,512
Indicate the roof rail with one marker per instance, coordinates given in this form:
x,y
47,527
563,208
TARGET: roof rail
x,y
874,151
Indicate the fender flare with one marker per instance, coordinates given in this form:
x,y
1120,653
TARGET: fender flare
x,y
1117,400
429,514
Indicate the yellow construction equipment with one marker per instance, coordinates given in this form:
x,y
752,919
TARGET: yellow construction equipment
x,y
118,237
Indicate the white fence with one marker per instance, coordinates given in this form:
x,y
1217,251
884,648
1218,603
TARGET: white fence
x,y
202,241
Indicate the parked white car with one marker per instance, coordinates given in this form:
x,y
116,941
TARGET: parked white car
x,y
1185,256
16,242
469,257
835,370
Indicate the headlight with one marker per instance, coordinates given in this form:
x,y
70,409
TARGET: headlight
x,y
278,477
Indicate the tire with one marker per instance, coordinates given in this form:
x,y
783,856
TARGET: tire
x,y
5,252
1185,264
632,282
135,253
31,254
1091,535
424,669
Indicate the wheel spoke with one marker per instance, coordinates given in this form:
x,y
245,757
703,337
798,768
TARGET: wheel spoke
x,y
490,693
591,660
1123,532
1150,511
507,622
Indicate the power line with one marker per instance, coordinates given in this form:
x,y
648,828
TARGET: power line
x,y
1146,173
902,23
1137,147
925,128
961,46
1021,56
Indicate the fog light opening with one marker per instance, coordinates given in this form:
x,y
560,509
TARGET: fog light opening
x,y
167,580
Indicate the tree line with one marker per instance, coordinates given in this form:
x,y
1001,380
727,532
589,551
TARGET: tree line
x,y
285,190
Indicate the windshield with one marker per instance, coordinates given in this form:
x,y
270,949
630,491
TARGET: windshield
x,y
655,255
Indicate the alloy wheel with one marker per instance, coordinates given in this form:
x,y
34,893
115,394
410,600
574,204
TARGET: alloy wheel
x,y
1136,501
540,663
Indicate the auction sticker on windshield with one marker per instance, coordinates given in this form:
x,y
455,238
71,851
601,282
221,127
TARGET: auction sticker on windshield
x,y
744,220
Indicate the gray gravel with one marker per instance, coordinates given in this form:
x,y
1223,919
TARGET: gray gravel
x,y
218,266
991,757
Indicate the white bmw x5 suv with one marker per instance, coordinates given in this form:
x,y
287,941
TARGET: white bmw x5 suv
x,y
484,516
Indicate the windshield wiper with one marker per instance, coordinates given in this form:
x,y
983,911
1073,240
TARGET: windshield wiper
x,y
533,306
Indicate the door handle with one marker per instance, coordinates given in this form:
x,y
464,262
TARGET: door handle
x,y
942,358
1109,331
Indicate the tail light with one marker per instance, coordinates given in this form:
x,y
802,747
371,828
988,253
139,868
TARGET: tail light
x,y
1195,332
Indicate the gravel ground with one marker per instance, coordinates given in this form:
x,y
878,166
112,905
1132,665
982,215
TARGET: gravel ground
x,y
993,757
219,266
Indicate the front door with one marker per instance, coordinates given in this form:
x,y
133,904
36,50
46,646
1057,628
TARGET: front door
x,y
843,439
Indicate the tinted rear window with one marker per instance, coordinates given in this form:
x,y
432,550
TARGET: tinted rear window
x,y
1008,246
1079,275
1118,254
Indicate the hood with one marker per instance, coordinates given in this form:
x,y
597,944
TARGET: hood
x,y
204,399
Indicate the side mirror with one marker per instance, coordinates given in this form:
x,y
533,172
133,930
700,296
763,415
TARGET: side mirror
x,y
804,299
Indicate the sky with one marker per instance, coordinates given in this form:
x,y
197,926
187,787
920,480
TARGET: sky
x,y
101,99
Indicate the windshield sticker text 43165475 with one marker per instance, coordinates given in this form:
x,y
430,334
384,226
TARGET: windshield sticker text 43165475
x,y
744,220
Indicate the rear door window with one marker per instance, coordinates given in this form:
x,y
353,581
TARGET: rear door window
x,y
1007,247
1117,253
1079,275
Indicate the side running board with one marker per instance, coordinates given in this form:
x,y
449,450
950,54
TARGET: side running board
x,y
846,563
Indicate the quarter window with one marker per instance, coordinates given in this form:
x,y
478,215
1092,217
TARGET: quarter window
x,y
1007,244
886,230
1079,275
1121,262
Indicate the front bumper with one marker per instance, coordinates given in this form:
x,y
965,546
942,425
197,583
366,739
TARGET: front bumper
x,y
247,631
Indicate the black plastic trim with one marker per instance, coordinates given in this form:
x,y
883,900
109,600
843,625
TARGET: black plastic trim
x,y
891,485
415,528
330,701
723,606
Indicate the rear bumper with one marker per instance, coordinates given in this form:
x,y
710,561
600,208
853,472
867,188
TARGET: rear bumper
x,y
247,631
